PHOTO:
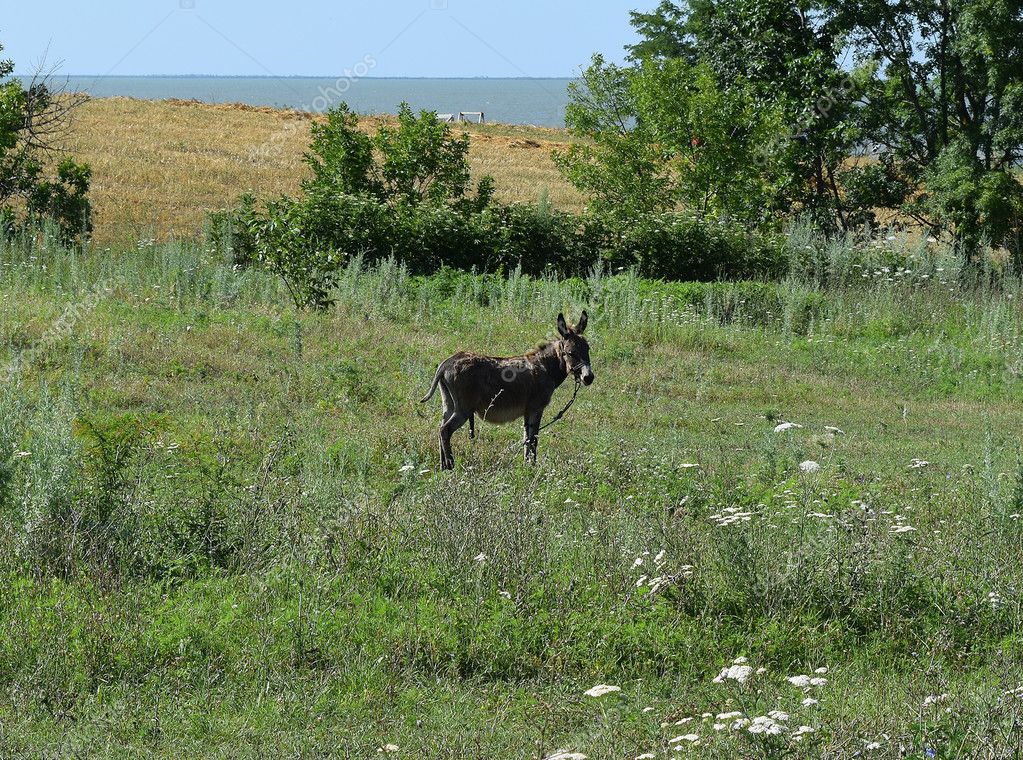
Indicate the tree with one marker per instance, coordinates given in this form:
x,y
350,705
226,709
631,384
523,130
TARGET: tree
x,y
341,156
944,109
663,135
663,34
417,162
616,164
935,96
424,162
33,124
783,56
368,195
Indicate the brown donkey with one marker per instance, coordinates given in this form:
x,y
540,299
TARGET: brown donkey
x,y
502,390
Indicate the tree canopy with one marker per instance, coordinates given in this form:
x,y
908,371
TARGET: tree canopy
x,y
37,181
913,106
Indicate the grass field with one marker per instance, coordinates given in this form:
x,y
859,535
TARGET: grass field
x,y
224,533
160,167
784,522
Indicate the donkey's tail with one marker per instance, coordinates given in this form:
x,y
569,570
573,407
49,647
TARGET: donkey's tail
x,y
433,388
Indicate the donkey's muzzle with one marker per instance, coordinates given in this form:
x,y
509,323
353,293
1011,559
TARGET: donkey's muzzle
x,y
586,376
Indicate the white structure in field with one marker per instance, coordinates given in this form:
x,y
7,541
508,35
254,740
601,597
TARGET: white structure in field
x,y
477,117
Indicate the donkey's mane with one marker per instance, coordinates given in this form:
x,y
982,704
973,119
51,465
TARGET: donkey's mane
x,y
542,347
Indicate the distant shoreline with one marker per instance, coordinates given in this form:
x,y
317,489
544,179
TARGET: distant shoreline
x,y
300,76
509,100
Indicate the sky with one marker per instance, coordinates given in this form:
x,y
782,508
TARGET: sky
x,y
386,38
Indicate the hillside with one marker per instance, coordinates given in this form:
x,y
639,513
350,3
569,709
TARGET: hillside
x,y
160,166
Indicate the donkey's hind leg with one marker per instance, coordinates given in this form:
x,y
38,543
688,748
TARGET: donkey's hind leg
x,y
454,421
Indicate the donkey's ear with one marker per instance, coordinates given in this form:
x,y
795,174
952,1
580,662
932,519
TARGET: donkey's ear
x,y
563,326
579,328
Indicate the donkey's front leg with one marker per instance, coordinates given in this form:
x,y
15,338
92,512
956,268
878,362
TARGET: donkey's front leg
x,y
532,431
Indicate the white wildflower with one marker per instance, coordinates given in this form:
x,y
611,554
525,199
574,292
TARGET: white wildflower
x,y
601,689
809,466
810,702
821,671
800,682
480,558
389,748
406,468
685,738
917,464
562,754
740,673
778,715
786,426
818,681
834,430
763,724
897,529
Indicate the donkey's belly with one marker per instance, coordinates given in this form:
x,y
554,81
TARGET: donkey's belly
x,y
501,416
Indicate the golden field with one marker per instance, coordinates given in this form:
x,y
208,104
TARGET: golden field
x,y
160,166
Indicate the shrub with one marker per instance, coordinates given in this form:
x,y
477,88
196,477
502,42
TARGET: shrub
x,y
230,231
539,239
423,163
425,238
420,161
33,121
64,199
676,246
308,265
410,201
341,157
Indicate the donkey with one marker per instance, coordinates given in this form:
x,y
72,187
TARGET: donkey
x,y
504,389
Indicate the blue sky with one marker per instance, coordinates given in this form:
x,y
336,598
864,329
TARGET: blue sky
x,y
317,37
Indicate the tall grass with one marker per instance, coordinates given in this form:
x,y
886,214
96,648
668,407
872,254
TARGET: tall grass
x,y
213,507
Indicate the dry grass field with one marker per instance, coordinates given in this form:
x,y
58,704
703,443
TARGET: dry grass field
x,y
160,166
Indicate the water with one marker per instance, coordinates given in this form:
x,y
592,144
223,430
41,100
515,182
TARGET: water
x,y
511,101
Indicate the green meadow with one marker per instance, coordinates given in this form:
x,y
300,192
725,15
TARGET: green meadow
x,y
784,521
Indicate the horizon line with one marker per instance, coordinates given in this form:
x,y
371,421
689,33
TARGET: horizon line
x,y
285,76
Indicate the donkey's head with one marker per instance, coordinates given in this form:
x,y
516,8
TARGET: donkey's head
x,y
575,351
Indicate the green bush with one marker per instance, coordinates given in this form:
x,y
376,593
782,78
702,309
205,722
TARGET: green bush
x,y
286,240
64,199
405,195
302,238
676,246
35,189
231,231
425,238
539,239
